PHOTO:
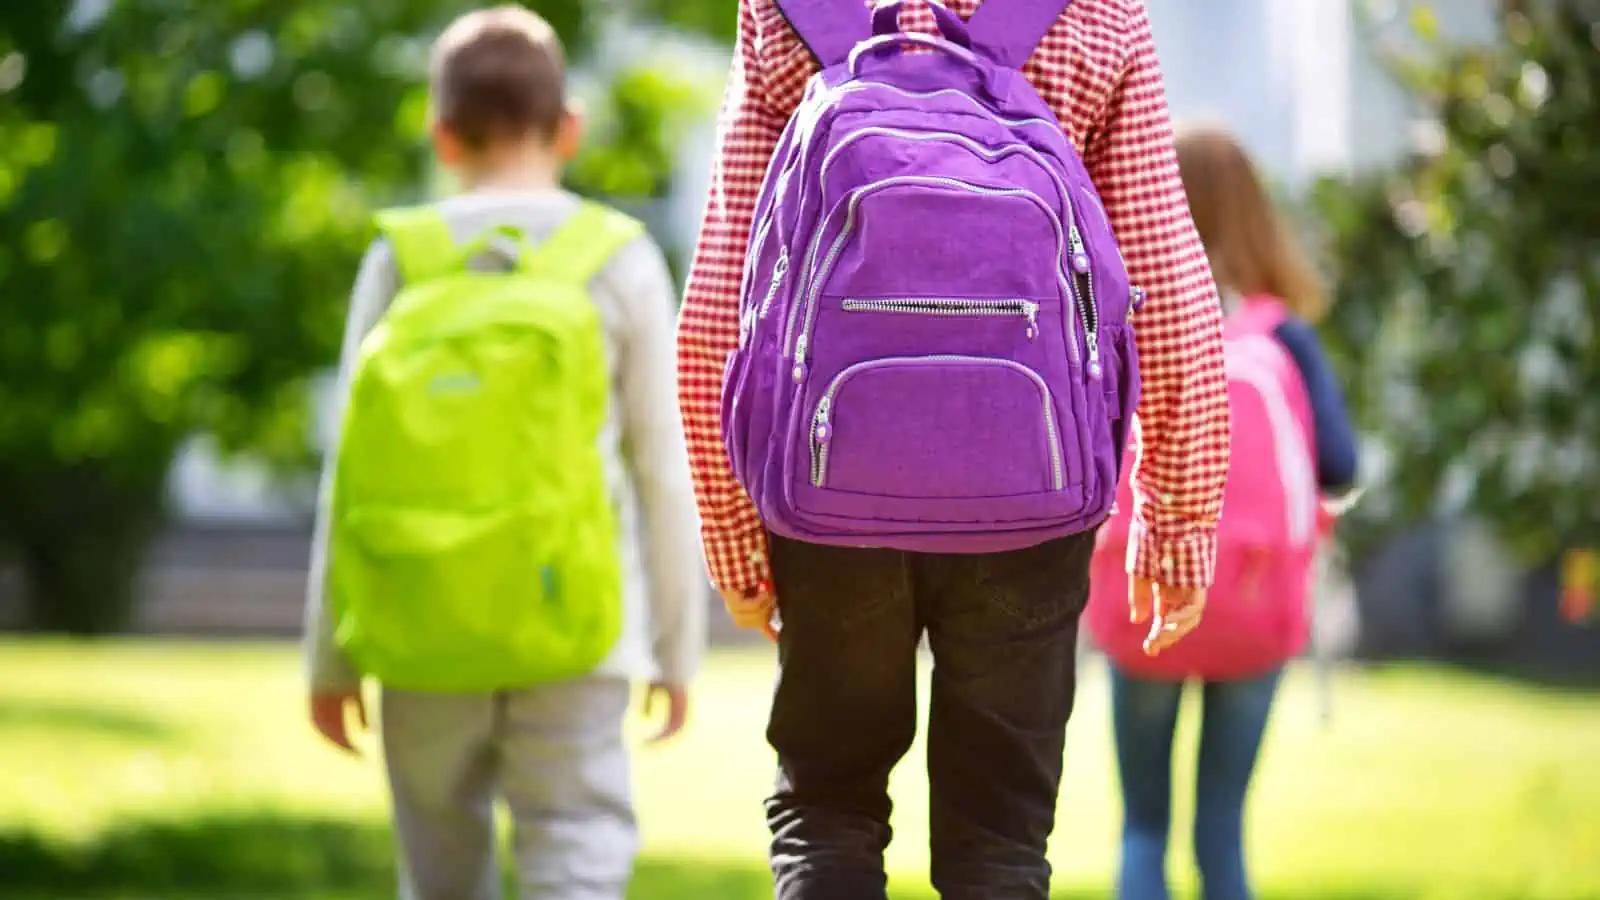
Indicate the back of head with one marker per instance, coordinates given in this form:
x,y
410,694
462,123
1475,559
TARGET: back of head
x,y
499,75
1251,248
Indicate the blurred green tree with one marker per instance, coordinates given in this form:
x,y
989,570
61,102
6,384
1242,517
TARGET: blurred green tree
x,y
1468,282
184,191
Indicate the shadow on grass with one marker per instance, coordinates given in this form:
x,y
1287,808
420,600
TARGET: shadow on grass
x,y
28,715
270,856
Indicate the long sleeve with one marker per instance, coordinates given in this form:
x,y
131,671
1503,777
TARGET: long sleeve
x,y
653,449
708,327
1335,437
375,287
1183,413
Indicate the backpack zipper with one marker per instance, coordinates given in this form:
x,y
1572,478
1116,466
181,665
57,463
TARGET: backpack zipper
x,y
819,274
853,87
779,269
950,307
822,424
1086,305
1088,309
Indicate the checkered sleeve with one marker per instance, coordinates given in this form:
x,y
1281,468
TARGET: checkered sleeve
x,y
1183,413
708,328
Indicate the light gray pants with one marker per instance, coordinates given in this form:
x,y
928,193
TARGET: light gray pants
x,y
554,753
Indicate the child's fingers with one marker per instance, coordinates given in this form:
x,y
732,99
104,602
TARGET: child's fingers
x,y
1141,600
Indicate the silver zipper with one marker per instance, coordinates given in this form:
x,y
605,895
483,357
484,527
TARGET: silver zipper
x,y
1087,309
854,86
974,147
747,322
1088,312
821,98
779,269
819,275
950,307
822,423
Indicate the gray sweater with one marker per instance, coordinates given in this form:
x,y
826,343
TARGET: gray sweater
x,y
664,590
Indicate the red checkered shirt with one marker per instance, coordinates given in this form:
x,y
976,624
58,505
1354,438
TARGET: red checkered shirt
x,y
1097,69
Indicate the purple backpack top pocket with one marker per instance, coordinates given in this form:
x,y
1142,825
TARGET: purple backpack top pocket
x,y
934,352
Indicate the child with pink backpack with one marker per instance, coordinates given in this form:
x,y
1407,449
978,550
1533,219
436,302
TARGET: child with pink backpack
x,y
1290,441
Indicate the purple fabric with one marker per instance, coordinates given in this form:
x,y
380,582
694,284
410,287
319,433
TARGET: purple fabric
x,y
1008,30
934,352
829,28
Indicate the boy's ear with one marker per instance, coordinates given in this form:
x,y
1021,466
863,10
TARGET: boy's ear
x,y
449,149
569,133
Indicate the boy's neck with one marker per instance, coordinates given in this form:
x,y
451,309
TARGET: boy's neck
x,y
527,168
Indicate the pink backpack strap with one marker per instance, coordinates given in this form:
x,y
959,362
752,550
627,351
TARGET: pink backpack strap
x,y
1257,314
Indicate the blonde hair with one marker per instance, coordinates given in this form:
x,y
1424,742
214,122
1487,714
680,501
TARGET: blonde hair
x,y
1251,248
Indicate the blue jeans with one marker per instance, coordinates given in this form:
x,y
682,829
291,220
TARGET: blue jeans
x,y
1144,714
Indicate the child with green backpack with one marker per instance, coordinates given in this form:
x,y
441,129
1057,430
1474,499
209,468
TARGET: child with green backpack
x,y
506,536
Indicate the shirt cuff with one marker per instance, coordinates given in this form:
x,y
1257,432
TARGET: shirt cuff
x,y
736,560
1186,561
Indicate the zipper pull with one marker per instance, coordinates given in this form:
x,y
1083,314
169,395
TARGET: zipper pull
x,y
779,269
800,358
1136,300
1080,256
1093,342
1030,310
821,429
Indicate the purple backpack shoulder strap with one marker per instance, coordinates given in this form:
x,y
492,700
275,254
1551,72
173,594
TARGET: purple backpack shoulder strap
x,y
1006,31
829,28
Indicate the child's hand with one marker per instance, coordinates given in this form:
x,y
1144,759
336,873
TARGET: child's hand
x,y
753,610
328,715
1172,612
677,708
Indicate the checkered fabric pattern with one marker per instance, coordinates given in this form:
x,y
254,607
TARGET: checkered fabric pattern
x,y
1097,69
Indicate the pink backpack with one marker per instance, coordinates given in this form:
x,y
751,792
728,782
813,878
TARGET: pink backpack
x,y
1256,613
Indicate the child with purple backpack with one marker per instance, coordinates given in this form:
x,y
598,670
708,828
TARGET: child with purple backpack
x,y
938,269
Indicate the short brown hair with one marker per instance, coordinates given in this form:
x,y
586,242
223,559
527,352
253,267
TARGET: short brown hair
x,y
499,74
1252,249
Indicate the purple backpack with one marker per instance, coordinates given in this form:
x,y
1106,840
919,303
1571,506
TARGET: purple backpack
x,y
934,351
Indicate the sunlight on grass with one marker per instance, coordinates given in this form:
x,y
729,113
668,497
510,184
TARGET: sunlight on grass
x,y
1425,784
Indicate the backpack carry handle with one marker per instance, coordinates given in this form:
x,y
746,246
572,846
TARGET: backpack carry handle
x,y
886,20
896,42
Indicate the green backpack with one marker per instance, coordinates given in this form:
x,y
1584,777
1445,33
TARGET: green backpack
x,y
474,541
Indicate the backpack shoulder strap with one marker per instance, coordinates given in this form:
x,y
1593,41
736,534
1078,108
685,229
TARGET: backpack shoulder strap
x,y
421,241
829,28
1007,31
582,245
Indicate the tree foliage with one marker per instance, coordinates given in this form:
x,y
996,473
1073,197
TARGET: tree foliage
x,y
185,187
1469,282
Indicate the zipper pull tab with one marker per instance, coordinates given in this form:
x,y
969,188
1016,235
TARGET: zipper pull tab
x,y
800,358
1093,342
821,429
1030,310
1080,256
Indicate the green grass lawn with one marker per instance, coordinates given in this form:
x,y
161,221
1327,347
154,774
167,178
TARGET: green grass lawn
x,y
161,769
